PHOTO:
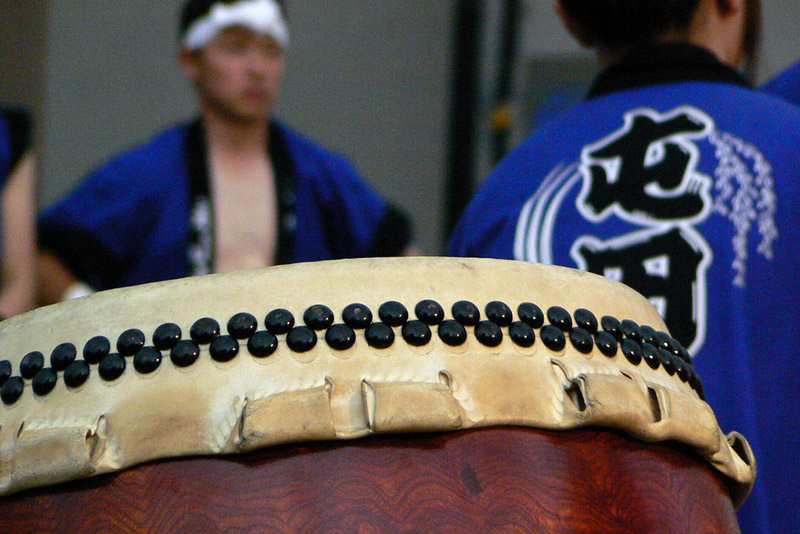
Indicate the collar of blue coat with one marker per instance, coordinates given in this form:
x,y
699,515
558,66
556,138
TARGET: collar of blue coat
x,y
664,63
200,252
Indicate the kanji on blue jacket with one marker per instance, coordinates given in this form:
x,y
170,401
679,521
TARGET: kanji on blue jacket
x,y
677,179
146,215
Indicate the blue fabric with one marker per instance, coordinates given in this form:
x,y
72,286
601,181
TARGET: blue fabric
x,y
132,213
15,137
786,85
689,191
337,213
5,149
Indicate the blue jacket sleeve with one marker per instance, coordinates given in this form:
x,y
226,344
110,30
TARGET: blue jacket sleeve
x,y
785,85
105,227
350,216
15,138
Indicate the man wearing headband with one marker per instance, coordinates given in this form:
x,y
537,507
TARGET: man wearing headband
x,y
233,189
675,177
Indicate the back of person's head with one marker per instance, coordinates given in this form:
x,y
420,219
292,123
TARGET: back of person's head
x,y
194,10
622,23
617,25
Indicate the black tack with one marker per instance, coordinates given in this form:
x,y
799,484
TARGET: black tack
x,y
585,319
112,367
62,356
582,340
531,314
553,338
167,336
242,325
279,322
667,362
489,333
631,330
357,316
12,390
44,382
650,355
429,312
499,313
224,349
466,313
130,342
318,317
416,333
632,351
340,337
5,371
379,336
606,343
76,374
697,384
649,335
681,369
262,344
96,349
683,354
560,318
452,333
665,341
393,313
204,331
522,334
612,326
301,339
185,353
31,363
147,360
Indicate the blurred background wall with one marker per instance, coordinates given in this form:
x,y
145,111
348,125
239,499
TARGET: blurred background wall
x,y
23,45
373,80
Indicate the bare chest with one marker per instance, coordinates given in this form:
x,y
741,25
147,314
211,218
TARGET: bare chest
x,y
245,215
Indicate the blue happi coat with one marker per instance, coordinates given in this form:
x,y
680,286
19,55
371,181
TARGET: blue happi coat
x,y
677,179
147,215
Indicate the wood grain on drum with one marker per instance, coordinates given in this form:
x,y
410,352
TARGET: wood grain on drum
x,y
505,480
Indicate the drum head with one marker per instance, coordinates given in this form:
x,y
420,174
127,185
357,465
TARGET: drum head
x,y
344,350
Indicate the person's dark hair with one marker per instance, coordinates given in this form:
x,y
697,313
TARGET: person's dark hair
x,y
752,32
195,9
619,23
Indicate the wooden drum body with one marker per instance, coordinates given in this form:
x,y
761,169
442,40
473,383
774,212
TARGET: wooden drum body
x,y
407,395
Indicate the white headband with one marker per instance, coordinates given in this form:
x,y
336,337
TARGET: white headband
x,y
259,16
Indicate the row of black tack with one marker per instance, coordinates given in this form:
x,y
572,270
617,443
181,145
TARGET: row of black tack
x,y
637,343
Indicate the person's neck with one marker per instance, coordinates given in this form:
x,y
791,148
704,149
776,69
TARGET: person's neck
x,y
721,32
240,137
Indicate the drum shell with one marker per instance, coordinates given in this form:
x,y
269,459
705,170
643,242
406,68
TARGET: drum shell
x,y
489,480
